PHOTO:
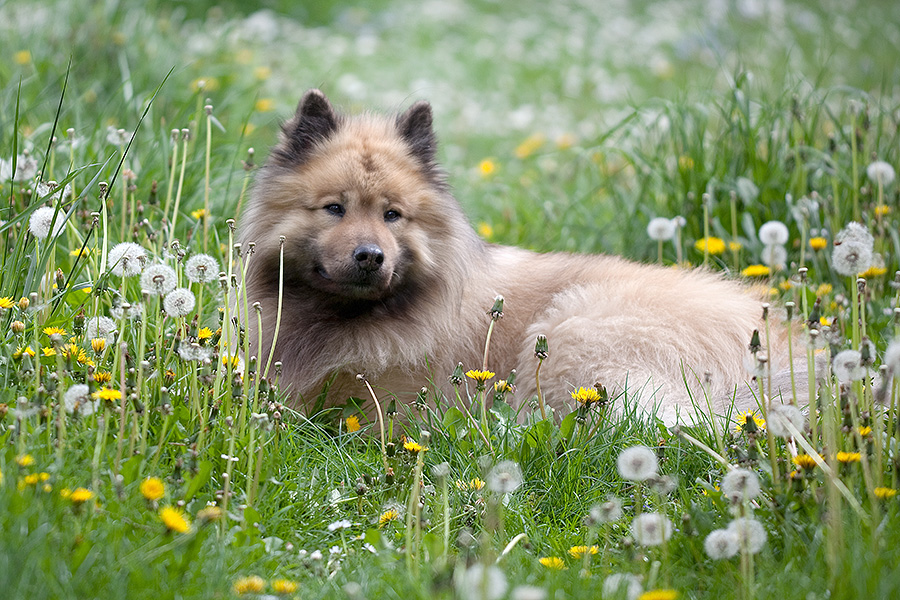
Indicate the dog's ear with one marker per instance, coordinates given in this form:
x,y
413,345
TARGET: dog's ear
x,y
415,127
314,121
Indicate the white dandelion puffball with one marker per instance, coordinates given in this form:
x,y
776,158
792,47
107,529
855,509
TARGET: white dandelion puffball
x,y
201,268
77,400
637,463
651,529
481,583
892,357
159,279
782,414
881,172
179,302
722,544
100,328
773,233
853,246
528,592
847,366
751,535
41,219
505,477
194,352
661,229
617,583
607,512
741,484
774,256
127,259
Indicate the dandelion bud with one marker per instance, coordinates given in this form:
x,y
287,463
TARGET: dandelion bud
x,y
755,344
789,307
421,398
541,348
456,378
390,449
18,327
497,309
391,408
389,475
23,303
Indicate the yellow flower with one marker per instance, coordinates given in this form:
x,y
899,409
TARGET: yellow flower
x,y
659,595
786,285
352,423
884,493
585,395
7,302
98,345
252,584
199,213
22,57
21,351
864,431
284,586
882,210
565,141
52,330
209,513
80,495
65,493
48,351
818,243
502,387
685,163
487,167
742,420
804,461
848,457
580,551
873,271
102,376
106,393
531,145
80,253
388,516
713,245
262,73
824,289
174,519
413,447
552,562
479,376
470,486
756,271
153,488
735,246
25,460
265,104
205,333
485,230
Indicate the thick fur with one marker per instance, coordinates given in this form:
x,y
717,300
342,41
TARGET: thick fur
x,y
408,320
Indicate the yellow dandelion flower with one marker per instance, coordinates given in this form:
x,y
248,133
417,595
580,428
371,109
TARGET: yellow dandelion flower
x,y
31,479
262,73
712,245
413,447
485,230
352,423
884,493
487,167
80,253
102,376
25,460
848,457
174,519
106,393
864,430
824,289
685,163
208,514
472,485
786,285
479,376
7,302
502,387
252,584
873,271
744,415
48,351
264,104
825,321
54,330
205,333
882,210
98,345
22,351
818,243
756,271
65,493
388,516
199,213
47,488
585,395
22,57
153,488
80,495
659,595
531,145
804,461
554,563
735,246
284,586
580,551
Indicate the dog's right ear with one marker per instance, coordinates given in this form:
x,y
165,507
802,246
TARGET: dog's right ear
x,y
314,121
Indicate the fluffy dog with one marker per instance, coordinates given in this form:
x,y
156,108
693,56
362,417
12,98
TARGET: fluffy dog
x,y
383,275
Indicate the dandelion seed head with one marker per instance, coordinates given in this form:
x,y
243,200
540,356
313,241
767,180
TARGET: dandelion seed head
x,y
528,592
774,256
77,400
179,302
782,414
201,268
740,485
127,259
41,220
651,529
853,250
481,583
881,172
721,544
773,233
892,357
750,533
505,477
159,279
637,463
618,584
100,328
661,229
606,512
847,366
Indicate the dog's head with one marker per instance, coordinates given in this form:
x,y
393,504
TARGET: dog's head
x,y
362,205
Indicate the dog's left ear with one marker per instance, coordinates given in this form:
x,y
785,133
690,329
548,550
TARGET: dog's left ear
x,y
415,127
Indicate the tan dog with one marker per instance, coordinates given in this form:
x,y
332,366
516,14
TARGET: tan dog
x,y
383,275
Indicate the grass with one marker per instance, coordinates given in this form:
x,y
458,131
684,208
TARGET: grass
x,y
563,127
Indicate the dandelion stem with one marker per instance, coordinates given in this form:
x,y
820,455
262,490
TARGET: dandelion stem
x,y
362,378
280,304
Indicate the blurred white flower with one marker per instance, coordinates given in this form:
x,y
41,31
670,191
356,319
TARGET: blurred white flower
x,y
847,366
661,229
78,400
651,529
853,247
721,544
43,218
637,463
127,259
179,302
505,477
481,583
881,172
159,279
782,414
774,256
892,357
618,584
740,484
100,328
751,535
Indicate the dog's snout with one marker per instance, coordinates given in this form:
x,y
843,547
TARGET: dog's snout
x,y
369,257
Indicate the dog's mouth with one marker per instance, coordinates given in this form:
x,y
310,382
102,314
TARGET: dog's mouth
x,y
354,283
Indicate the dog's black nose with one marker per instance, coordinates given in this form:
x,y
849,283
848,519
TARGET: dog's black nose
x,y
368,257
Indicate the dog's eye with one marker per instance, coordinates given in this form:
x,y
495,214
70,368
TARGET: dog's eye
x,y
335,209
391,215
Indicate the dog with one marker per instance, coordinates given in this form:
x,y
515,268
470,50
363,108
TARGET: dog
x,y
381,274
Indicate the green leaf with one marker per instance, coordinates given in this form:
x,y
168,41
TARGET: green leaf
x,y
455,422
199,480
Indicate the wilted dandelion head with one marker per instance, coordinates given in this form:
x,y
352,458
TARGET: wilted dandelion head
x,y
852,250
505,477
740,485
179,302
479,582
847,366
651,529
77,400
750,533
201,268
661,229
100,327
773,233
622,585
159,279
41,220
127,259
637,463
721,544
881,172
782,414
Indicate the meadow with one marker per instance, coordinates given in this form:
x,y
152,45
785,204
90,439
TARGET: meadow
x,y
142,457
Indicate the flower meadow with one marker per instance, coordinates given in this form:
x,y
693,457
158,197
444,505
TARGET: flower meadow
x,y
146,454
